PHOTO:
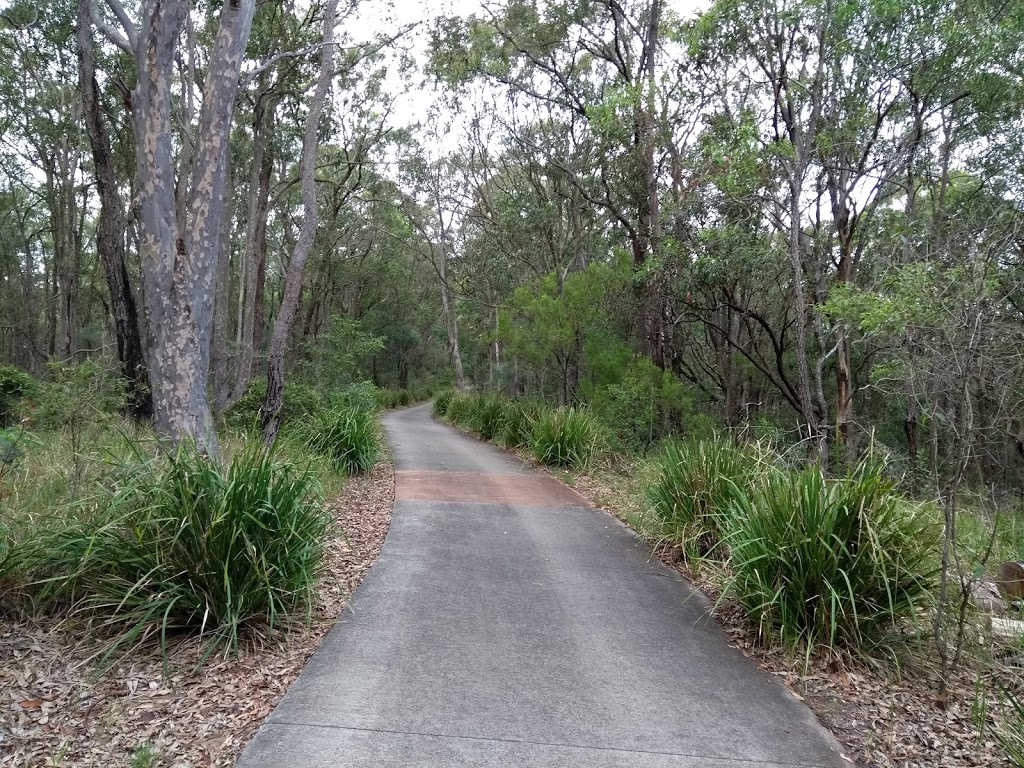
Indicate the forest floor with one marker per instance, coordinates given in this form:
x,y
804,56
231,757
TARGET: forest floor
x,y
54,711
888,716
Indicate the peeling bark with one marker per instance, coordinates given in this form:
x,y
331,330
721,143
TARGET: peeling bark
x,y
179,264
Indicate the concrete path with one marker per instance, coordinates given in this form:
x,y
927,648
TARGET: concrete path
x,y
508,623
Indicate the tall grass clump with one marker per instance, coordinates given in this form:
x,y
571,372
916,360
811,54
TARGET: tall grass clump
x,y
693,488
441,401
517,424
488,413
844,563
567,437
348,436
459,409
188,544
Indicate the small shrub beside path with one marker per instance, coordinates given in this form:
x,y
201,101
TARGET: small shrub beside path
x,y
53,713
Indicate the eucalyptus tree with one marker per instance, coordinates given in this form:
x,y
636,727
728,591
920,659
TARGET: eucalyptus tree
x,y
595,64
42,134
180,205
274,399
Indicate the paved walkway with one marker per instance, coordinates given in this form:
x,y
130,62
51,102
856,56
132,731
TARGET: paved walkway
x,y
508,623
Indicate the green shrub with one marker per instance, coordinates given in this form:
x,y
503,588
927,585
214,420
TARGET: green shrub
x,y
188,544
80,395
567,437
392,398
15,385
300,401
348,436
646,406
835,562
693,489
488,415
459,409
442,400
362,395
517,424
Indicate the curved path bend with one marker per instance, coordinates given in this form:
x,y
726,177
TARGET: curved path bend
x,y
509,623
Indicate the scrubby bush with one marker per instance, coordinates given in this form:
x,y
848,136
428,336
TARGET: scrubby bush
x,y
15,385
517,424
441,401
487,415
459,409
393,398
645,406
347,435
1010,733
79,395
835,562
300,401
362,395
187,544
567,437
694,487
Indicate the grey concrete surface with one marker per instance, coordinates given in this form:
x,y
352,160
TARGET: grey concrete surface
x,y
526,635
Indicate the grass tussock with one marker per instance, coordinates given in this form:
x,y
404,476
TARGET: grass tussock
x,y
185,544
566,437
349,436
844,563
693,490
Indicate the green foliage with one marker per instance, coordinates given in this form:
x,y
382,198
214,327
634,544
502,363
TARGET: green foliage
x,y
835,562
645,406
348,435
442,400
187,544
300,402
517,423
486,415
340,356
388,398
145,756
361,394
693,490
15,386
567,437
459,409
79,395
1010,732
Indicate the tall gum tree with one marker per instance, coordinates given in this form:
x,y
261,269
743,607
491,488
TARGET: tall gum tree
x,y
179,253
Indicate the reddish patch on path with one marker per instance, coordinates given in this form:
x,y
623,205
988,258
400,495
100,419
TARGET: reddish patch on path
x,y
480,488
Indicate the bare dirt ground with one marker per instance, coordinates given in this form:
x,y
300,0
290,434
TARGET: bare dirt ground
x,y
55,712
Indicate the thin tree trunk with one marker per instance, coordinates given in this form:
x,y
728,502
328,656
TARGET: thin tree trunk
x,y
219,351
274,399
254,257
110,231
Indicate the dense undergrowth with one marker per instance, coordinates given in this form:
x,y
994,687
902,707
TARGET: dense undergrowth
x,y
102,526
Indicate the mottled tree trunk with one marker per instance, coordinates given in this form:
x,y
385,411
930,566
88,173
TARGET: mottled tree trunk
x,y
110,231
179,266
274,399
